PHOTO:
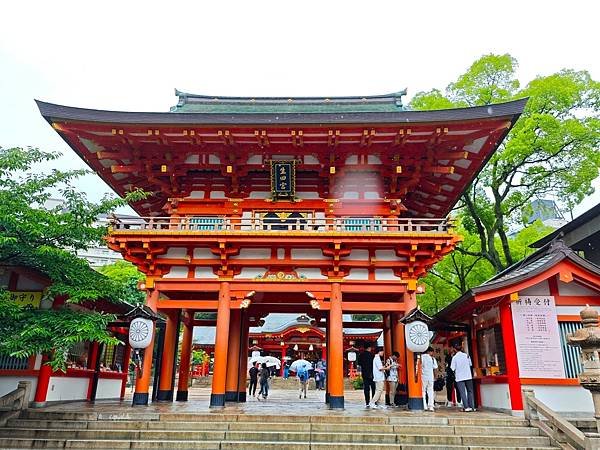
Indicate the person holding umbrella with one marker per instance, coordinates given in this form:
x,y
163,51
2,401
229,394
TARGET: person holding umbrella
x,y
301,367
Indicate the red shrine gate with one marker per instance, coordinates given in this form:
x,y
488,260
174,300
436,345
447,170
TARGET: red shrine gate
x,y
319,206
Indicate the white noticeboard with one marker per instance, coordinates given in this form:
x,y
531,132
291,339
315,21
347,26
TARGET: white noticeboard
x,y
539,350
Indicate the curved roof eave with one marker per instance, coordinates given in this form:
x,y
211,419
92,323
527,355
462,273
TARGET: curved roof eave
x,y
53,112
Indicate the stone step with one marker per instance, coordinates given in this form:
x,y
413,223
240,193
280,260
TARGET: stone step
x,y
245,445
396,419
263,436
275,427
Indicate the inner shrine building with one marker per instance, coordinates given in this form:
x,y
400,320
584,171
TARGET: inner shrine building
x,y
315,206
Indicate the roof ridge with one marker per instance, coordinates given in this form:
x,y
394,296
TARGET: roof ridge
x,y
395,95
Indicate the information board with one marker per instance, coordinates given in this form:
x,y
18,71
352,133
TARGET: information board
x,y
539,350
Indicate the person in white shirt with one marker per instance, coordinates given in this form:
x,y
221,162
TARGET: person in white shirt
x,y
428,365
378,378
461,365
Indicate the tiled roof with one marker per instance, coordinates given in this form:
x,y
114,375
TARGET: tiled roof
x,y
193,103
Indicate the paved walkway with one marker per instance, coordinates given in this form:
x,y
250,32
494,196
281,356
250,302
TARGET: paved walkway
x,y
280,402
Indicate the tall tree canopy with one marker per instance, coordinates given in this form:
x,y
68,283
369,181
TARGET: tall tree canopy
x,y
551,151
45,239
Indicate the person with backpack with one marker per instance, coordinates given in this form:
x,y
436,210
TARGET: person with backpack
x,y
302,376
264,375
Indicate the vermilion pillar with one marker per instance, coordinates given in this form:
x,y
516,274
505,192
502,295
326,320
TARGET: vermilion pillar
x,y
165,388
399,345
142,382
184,363
217,397
233,356
413,369
387,348
326,358
126,360
510,355
243,370
41,390
283,355
336,350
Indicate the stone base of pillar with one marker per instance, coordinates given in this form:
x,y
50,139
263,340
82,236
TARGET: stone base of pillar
x,y
37,404
241,397
336,402
327,397
164,396
231,396
415,403
140,398
182,396
217,400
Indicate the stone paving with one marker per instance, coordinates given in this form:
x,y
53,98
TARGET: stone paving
x,y
280,402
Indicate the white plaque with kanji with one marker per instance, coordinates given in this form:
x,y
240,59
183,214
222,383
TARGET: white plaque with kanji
x,y
539,350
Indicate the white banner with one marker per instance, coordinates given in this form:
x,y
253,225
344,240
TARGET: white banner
x,y
539,350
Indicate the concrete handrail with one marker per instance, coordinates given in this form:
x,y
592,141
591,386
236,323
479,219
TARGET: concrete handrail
x,y
553,425
12,403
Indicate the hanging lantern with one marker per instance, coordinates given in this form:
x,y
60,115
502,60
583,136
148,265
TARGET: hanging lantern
x,y
417,336
141,331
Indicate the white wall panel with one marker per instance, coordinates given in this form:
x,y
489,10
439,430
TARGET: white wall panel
x,y
204,272
307,253
495,396
565,398
385,274
204,253
358,274
108,388
253,253
175,253
177,272
541,288
9,384
67,388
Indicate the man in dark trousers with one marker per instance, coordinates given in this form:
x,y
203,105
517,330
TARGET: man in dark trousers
x,y
253,380
365,361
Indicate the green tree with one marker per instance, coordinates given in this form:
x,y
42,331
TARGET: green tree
x,y
459,271
128,276
551,150
46,239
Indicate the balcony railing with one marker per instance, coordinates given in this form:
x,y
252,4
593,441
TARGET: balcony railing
x,y
337,224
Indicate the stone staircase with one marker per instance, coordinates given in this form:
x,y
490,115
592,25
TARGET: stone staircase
x,y
133,430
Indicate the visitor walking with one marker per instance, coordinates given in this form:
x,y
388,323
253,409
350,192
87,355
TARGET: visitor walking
x,y
253,379
392,379
461,365
452,394
302,375
264,375
428,365
365,361
378,378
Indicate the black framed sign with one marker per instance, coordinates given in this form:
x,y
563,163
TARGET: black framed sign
x,y
283,180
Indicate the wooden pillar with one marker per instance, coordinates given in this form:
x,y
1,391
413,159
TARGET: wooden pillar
x,y
185,360
413,368
165,388
399,345
233,356
387,348
510,355
243,369
43,381
327,361
336,349
217,396
142,382
126,360
283,355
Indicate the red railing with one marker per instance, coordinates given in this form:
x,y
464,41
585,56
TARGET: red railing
x,y
310,224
